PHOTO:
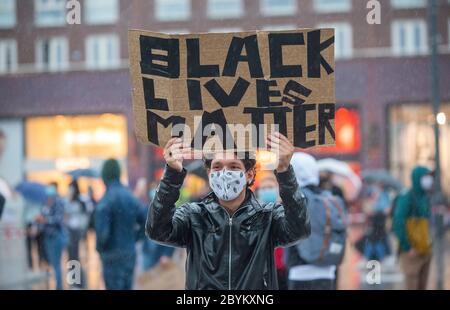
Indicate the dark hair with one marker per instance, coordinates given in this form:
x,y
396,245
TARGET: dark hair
x,y
2,134
110,171
248,162
76,190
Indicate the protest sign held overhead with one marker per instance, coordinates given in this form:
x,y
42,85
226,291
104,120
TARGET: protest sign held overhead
x,y
234,87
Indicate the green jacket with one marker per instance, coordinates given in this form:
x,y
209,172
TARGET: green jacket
x,y
404,205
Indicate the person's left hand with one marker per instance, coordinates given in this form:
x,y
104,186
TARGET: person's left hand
x,y
283,147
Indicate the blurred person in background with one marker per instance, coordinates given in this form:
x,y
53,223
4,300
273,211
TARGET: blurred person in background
x,y
411,226
375,243
2,143
268,193
34,236
54,233
326,183
140,190
91,203
313,262
77,221
152,252
2,149
119,223
2,204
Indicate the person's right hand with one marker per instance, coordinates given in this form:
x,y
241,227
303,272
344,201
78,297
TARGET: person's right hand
x,y
174,152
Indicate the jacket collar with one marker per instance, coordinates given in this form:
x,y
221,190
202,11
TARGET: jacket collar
x,y
113,183
250,202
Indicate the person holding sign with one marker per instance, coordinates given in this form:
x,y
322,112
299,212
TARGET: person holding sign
x,y
229,236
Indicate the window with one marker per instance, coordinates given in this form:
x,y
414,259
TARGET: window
x,y
408,4
343,39
7,13
102,51
278,7
8,56
101,11
409,37
52,54
175,31
279,27
172,10
225,29
57,144
50,12
225,8
330,6
411,140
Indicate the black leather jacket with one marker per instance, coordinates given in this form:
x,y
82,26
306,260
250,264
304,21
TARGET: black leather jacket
x,y
228,251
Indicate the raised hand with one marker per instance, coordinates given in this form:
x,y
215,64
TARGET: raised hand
x,y
283,147
174,153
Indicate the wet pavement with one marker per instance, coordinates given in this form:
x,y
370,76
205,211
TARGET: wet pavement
x,y
354,273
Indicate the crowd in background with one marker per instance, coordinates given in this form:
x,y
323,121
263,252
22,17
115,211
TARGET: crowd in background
x,y
55,224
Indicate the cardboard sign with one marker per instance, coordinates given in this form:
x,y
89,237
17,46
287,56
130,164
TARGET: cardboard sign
x,y
229,86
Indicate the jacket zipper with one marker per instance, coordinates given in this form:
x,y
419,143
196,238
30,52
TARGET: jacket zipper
x,y
230,224
229,256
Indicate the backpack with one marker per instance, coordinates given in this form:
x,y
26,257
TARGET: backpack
x,y
417,229
326,244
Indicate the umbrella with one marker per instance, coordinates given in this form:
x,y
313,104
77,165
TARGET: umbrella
x,y
32,191
335,166
381,176
88,173
344,176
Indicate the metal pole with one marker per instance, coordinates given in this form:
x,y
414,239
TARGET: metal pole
x,y
434,39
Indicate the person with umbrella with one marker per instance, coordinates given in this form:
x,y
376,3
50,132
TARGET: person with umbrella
x,y
337,177
35,198
375,245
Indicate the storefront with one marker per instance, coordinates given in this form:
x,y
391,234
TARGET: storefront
x,y
411,140
56,145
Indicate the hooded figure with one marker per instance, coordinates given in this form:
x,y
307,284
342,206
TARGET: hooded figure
x,y
414,204
311,264
416,195
119,221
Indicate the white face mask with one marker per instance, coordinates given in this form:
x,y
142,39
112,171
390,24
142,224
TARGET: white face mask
x,y
227,184
426,182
